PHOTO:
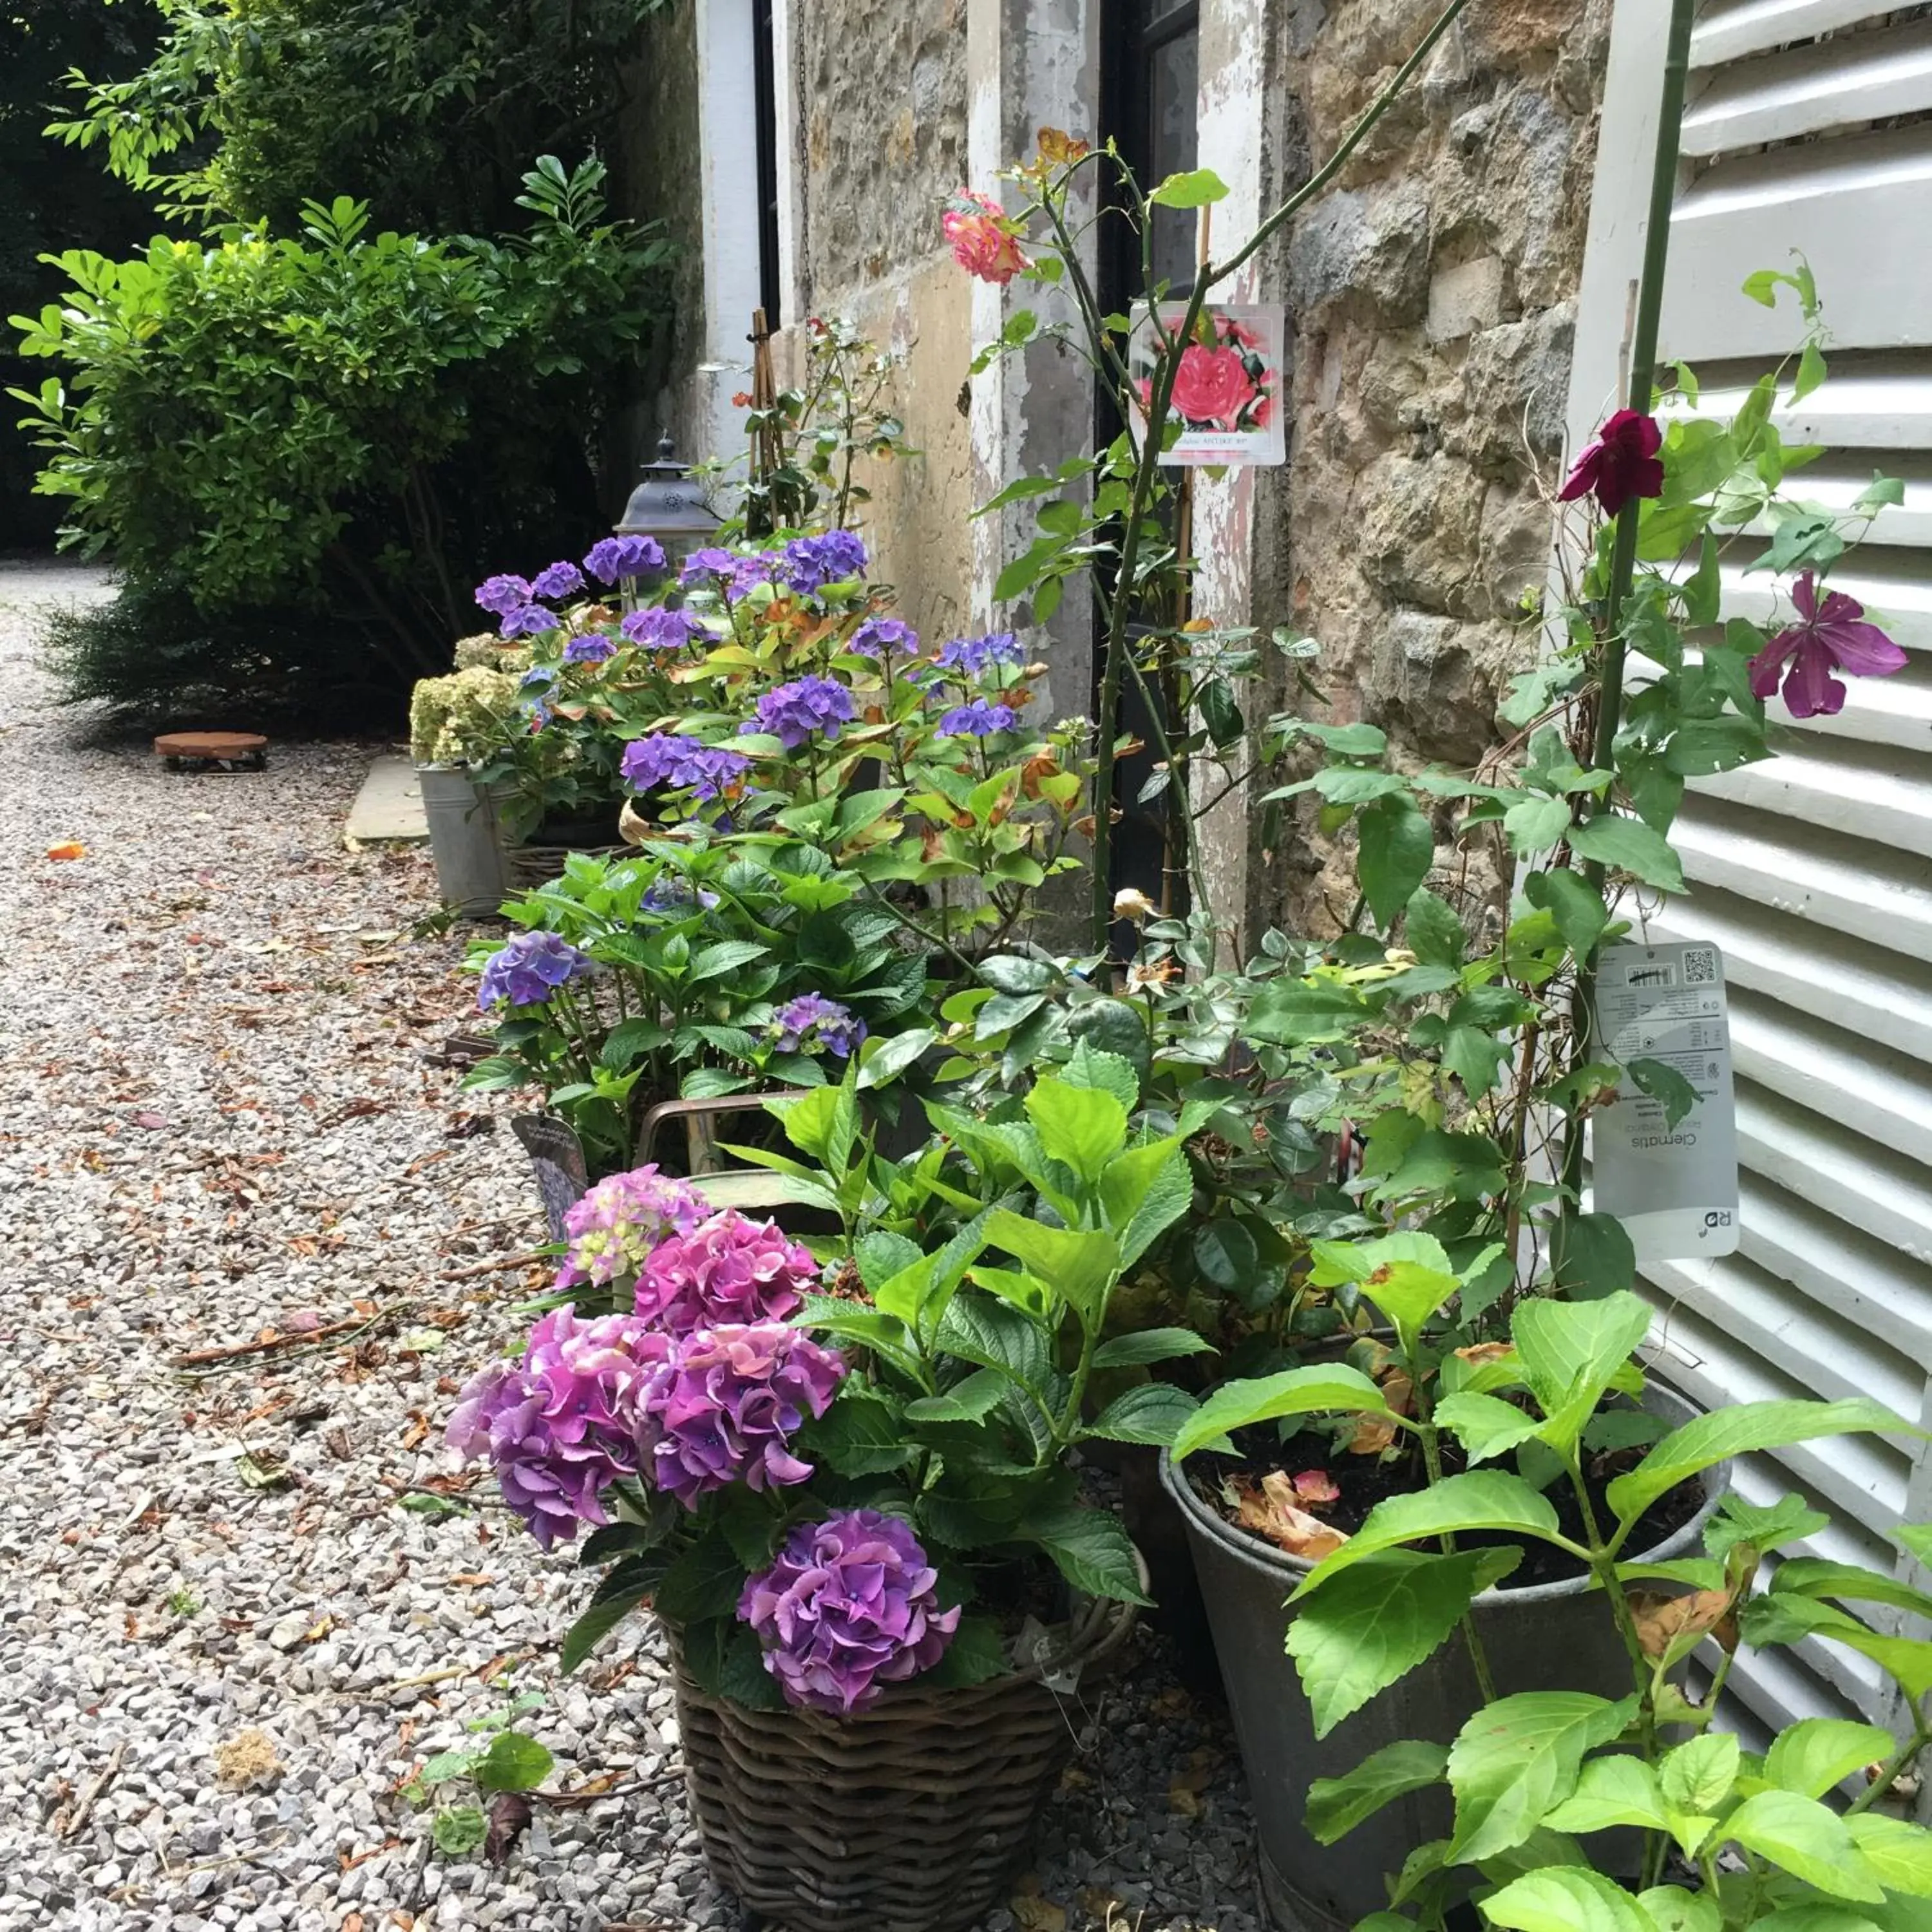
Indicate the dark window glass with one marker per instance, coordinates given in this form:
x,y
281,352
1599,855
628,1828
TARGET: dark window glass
x,y
765,104
1173,74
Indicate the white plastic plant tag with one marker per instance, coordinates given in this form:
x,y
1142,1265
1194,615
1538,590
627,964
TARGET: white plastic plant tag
x,y
1674,1188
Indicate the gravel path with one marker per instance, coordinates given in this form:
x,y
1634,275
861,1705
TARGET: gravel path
x,y
227,1639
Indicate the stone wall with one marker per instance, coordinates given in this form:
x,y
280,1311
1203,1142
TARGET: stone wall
x,y
1432,293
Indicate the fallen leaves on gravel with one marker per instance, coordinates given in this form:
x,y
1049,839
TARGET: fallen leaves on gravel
x,y
68,848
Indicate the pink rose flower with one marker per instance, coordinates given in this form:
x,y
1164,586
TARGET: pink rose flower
x,y
984,241
1211,385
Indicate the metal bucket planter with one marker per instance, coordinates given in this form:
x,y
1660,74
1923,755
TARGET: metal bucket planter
x,y
912,1817
465,838
1548,1636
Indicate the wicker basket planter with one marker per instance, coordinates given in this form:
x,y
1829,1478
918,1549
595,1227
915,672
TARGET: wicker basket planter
x,y
913,1816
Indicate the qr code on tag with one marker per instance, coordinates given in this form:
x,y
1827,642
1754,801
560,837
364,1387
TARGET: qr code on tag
x,y
1700,966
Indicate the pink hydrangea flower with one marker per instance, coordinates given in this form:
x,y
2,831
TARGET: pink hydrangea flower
x,y
727,1270
620,1220
983,241
848,1606
724,1406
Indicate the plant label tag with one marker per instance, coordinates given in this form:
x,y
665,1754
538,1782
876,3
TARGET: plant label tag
x,y
1675,1189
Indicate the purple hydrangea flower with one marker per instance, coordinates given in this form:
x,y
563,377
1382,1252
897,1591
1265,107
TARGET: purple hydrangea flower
x,y
528,620
811,1021
703,568
727,1270
880,637
976,655
593,647
557,579
614,1226
667,895
977,719
500,595
564,1426
611,559
664,758
527,969
812,563
663,630
724,1405
794,712
849,1605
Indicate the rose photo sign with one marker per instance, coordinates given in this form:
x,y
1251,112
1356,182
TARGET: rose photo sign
x,y
1227,390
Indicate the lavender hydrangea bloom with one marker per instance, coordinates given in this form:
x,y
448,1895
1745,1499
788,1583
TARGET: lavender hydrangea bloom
x,y
611,559
850,1605
977,719
527,969
703,568
500,595
880,637
812,563
594,647
564,1426
663,630
976,655
794,712
528,620
726,1270
611,1228
811,1020
708,771
723,1407
666,896
557,579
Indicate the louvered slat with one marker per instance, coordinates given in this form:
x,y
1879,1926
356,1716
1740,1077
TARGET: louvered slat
x,y
1734,28
1812,90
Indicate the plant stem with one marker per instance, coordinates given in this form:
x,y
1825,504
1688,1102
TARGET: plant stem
x,y
1432,1459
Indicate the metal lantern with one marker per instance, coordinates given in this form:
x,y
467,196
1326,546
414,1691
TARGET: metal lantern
x,y
667,506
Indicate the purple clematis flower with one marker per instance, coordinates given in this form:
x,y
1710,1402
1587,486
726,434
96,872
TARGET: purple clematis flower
x,y
557,579
1621,464
500,595
848,1606
593,647
880,637
528,968
1829,637
611,559
812,1021
663,630
794,712
978,719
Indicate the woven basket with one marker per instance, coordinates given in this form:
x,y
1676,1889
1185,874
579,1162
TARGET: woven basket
x,y
912,1817
528,866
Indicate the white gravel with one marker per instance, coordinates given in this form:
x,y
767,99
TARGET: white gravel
x,y
223,1118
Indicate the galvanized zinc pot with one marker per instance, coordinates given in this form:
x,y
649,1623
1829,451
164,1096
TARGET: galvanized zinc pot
x,y
1547,1637
465,838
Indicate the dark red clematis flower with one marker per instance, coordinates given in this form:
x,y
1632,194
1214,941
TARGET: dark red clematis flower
x,y
1827,638
1621,464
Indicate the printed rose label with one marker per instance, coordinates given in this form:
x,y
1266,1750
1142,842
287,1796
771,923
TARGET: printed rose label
x,y
1227,392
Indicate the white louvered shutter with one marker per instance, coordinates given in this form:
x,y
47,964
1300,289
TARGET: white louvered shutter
x,y
1807,126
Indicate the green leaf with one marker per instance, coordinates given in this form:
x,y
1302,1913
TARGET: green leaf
x,y
1900,1854
459,1829
1082,1265
1629,845
1702,589
1335,1388
1397,848
1779,1619
1434,933
1739,1430
1612,1790
1150,1345
1083,1127
1091,1066
1484,1424
1478,1499
1091,1549
1818,1914
513,1762
1536,823
1816,1754
1407,1275
1565,1898
1375,1623
1666,1085
889,1058
1154,1412
1571,1352
977,1654
1810,1576
1765,1527
978,1395
709,961
1808,1839
1810,372
1336,1805
1225,1252
1672,1909
1576,905
705,1581
1592,1256
1698,1776
1520,1756
1195,188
